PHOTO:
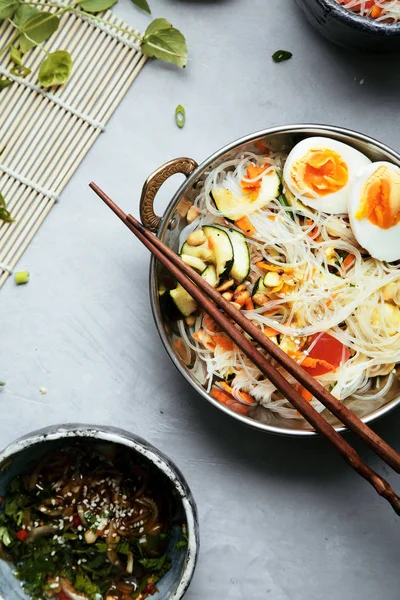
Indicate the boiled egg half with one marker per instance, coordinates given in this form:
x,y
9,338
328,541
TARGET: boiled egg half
x,y
320,172
374,210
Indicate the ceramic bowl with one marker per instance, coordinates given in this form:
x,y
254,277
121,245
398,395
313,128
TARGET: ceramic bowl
x,y
18,456
348,29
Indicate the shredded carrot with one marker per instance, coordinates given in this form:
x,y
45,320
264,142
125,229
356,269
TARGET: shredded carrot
x,y
205,339
267,267
242,395
272,217
376,12
314,231
348,261
230,402
305,394
178,344
224,342
210,324
249,305
270,331
245,225
252,188
329,301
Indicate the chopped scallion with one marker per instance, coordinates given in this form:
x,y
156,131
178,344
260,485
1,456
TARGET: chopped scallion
x,y
180,116
21,277
281,55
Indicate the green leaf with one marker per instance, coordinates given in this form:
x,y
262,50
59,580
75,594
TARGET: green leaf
x,y
2,383
37,29
5,83
143,4
153,564
163,41
180,116
4,213
24,12
180,544
94,6
123,548
8,8
55,69
5,537
15,56
281,55
84,584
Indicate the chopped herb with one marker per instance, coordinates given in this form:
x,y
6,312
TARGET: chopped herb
x,y
5,537
180,116
21,277
2,384
4,213
153,564
281,55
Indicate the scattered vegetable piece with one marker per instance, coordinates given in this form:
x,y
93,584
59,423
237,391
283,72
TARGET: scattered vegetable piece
x,y
281,55
22,535
21,277
180,116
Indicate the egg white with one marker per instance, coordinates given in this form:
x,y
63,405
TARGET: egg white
x,y
337,202
383,244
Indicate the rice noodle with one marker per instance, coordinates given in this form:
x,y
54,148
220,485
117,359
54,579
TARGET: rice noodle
x,y
387,11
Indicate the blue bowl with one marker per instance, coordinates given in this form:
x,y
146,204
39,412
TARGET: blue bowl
x,y
17,457
348,29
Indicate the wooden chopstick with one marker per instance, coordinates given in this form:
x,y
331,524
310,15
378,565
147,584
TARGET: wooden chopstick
x,y
197,288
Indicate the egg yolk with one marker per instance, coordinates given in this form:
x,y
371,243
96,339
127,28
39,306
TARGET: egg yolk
x,y
380,201
321,170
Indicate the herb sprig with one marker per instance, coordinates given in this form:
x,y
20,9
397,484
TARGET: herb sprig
x,y
33,26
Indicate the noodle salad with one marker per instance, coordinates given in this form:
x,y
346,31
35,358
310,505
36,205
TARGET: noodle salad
x,y
300,274
387,11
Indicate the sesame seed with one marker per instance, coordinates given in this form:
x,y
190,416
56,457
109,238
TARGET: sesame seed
x,y
141,530
53,553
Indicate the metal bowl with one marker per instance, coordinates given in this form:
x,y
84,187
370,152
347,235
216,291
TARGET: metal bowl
x,y
17,457
345,28
172,222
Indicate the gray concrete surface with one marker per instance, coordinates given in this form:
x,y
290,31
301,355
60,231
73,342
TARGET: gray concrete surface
x,y
280,518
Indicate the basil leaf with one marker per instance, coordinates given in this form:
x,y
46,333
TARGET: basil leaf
x,y
83,584
8,8
15,56
180,116
163,41
55,69
143,4
5,83
94,6
281,55
24,12
153,564
37,29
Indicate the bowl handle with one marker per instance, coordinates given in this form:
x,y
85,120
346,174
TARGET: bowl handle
x,y
153,184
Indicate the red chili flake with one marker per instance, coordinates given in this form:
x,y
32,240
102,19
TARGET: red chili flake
x,y
62,596
22,534
150,589
76,520
1,499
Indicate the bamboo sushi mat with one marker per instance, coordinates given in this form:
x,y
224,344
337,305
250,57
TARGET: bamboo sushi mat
x,y
45,135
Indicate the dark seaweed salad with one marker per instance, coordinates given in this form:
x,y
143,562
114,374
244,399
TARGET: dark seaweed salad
x,y
86,523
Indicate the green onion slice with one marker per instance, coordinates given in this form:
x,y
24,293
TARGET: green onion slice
x,y
180,116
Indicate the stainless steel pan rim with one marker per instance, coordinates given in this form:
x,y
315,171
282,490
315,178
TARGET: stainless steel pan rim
x,y
307,129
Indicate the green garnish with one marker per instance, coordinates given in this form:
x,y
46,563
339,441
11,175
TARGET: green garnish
x,y
21,277
2,384
281,55
4,213
180,116
34,26
5,537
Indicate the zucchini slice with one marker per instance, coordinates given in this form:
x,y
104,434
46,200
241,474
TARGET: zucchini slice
x,y
183,301
202,252
235,207
221,247
241,254
194,262
210,275
259,287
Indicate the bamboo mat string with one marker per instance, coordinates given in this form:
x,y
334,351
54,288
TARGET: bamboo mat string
x,y
45,134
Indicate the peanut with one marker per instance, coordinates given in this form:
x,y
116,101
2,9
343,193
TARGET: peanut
x,y
227,295
260,299
241,298
196,238
225,286
235,305
192,214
